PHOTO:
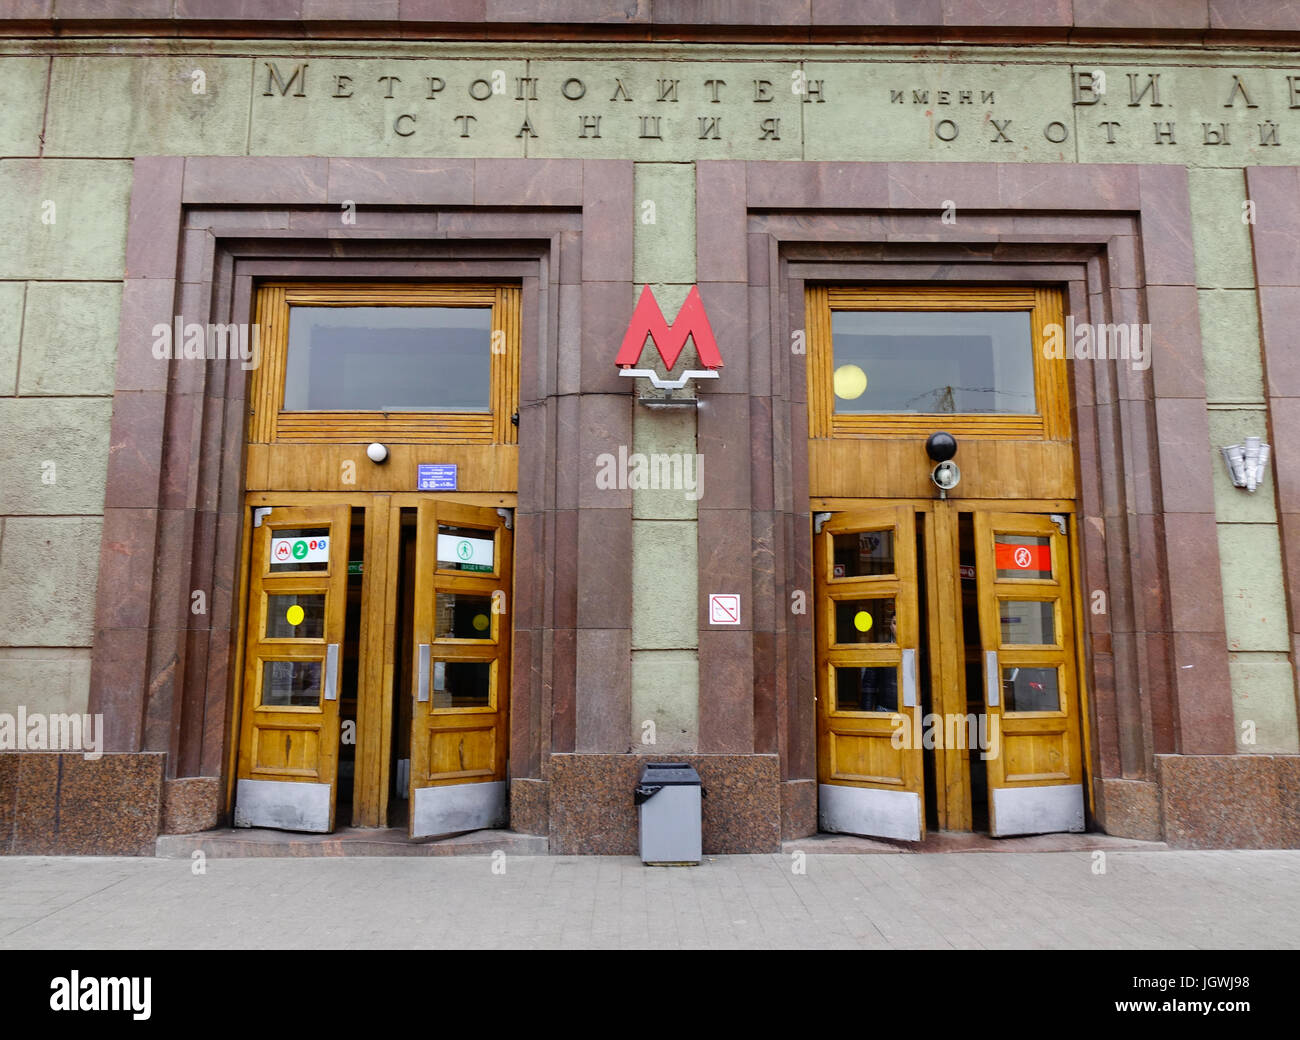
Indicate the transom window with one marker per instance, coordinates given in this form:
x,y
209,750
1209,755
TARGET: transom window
x,y
389,359
905,360
396,362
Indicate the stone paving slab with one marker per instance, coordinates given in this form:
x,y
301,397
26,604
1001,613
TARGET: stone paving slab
x,y
1143,900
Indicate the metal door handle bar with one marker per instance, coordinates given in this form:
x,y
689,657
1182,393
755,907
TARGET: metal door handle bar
x,y
992,682
909,678
422,680
332,672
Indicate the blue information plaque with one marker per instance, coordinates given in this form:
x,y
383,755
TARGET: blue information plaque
x,y
436,476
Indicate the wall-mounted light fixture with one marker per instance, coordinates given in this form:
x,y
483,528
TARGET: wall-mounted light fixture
x,y
1247,462
941,447
377,453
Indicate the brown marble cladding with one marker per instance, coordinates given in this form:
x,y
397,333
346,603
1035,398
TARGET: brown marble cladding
x,y
1128,808
68,805
191,803
8,798
201,230
1230,801
530,806
1119,236
592,811
798,809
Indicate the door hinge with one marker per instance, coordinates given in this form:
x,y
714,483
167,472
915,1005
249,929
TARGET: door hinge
x,y
1059,521
259,514
508,515
818,520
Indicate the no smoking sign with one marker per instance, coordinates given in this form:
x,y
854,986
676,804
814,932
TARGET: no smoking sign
x,y
724,608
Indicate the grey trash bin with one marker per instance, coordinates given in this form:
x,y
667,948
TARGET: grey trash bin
x,y
669,809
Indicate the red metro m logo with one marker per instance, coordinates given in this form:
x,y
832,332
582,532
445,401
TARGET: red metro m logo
x,y
648,320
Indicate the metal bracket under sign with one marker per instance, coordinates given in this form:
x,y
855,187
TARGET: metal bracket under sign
x,y
260,513
1059,521
508,515
818,520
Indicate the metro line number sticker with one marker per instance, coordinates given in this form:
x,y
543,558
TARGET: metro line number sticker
x,y
300,550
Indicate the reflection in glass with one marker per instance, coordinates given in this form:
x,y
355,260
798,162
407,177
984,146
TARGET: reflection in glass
x,y
1023,556
865,621
291,683
866,689
1030,689
1027,622
462,684
389,359
863,553
933,361
460,615
295,615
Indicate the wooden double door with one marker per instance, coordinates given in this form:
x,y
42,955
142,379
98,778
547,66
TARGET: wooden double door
x,y
948,677
375,663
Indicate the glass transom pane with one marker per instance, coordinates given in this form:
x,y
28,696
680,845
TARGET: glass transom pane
x,y
389,359
933,361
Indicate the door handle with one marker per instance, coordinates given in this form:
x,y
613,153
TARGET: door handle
x,y
422,676
332,672
909,678
992,682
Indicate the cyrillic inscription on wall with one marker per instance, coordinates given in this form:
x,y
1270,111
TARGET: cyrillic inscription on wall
x,y
754,110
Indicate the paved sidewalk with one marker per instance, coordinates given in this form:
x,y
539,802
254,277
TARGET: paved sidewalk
x,y
1161,899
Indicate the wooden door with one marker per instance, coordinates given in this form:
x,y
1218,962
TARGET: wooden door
x,y
462,626
1035,771
869,746
289,740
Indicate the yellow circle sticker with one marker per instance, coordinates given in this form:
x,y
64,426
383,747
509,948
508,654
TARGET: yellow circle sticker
x,y
294,615
862,621
850,382
481,622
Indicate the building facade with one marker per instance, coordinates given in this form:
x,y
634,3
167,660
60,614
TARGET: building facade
x,y
423,414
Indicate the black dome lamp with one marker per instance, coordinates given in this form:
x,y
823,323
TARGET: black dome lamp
x,y
941,447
